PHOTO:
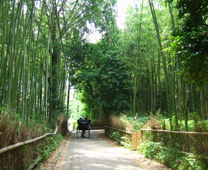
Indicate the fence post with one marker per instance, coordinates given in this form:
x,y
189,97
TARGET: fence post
x,y
139,137
136,139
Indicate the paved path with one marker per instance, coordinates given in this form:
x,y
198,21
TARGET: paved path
x,y
96,153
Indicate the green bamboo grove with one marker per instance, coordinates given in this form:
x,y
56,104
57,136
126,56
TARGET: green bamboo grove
x,y
24,59
156,64
35,38
161,83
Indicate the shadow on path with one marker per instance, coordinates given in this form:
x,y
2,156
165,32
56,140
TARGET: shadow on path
x,y
96,153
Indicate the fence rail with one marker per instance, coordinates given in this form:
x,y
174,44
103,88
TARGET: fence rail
x,y
97,125
8,148
119,130
178,132
184,139
135,136
24,155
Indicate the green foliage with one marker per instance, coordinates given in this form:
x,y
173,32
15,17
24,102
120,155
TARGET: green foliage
x,y
191,40
140,122
77,108
201,126
173,158
135,123
194,125
139,49
126,142
160,121
115,136
155,122
123,140
52,143
39,46
103,79
149,149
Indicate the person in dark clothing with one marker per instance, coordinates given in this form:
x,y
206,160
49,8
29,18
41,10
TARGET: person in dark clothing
x,y
78,124
83,124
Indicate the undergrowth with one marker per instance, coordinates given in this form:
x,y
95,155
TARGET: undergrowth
x,y
180,151
173,158
15,131
52,143
128,123
123,140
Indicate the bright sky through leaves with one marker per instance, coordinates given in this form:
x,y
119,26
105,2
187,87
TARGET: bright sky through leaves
x,y
120,8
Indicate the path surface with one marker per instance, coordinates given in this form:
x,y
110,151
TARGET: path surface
x,y
95,153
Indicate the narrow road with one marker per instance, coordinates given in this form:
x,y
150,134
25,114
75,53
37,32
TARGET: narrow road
x,y
96,153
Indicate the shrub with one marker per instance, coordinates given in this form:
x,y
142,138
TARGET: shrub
x,y
116,122
155,122
52,143
133,124
115,136
173,158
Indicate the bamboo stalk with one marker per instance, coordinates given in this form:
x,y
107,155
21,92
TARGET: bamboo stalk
x,y
11,54
2,65
30,30
16,62
167,81
137,61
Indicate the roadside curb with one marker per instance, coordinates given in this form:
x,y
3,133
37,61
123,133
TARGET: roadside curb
x,y
60,153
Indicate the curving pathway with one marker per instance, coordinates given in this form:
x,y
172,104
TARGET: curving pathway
x,y
95,153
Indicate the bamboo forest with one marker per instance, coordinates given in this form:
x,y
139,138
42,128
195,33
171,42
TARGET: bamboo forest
x,y
66,59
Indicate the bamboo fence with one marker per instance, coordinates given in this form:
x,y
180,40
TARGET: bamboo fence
x,y
9,148
184,141
21,155
177,132
137,137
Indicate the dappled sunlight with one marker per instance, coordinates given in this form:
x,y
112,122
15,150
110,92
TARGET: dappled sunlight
x,y
96,153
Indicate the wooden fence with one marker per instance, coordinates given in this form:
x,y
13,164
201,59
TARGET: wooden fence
x,y
134,136
21,155
176,132
97,125
191,142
